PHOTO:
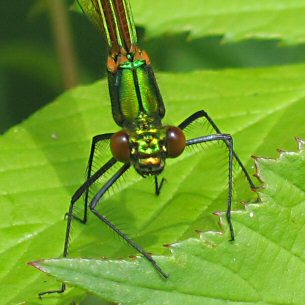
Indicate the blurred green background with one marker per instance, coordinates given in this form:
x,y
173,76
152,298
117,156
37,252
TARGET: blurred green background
x,y
47,48
38,37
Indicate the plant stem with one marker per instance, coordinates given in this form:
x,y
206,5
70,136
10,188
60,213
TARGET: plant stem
x,y
64,43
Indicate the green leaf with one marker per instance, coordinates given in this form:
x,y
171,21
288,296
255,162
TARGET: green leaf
x,y
266,265
42,162
235,20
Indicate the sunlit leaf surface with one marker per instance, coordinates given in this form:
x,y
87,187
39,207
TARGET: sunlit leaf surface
x,y
265,266
43,161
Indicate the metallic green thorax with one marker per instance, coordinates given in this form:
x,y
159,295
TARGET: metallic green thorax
x,y
137,106
135,96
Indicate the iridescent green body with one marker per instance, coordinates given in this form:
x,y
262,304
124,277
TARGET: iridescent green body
x,y
137,106
135,96
136,102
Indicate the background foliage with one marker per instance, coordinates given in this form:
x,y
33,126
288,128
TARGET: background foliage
x,y
30,70
32,74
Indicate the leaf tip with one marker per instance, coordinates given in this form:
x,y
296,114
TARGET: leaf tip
x,y
300,142
257,173
255,157
37,265
218,213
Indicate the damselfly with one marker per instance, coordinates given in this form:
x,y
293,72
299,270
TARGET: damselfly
x,y
143,142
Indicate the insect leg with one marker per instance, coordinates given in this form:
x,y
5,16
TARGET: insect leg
x,y
95,141
84,188
229,141
158,186
199,114
96,200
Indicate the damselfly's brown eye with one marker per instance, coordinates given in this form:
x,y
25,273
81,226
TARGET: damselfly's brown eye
x,y
175,142
119,145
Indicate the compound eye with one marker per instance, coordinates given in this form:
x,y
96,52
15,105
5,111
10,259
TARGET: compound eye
x,y
119,145
175,142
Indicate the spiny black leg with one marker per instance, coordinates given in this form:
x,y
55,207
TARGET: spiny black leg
x,y
158,186
83,188
71,217
95,202
79,192
229,140
230,193
131,243
202,113
97,139
61,290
